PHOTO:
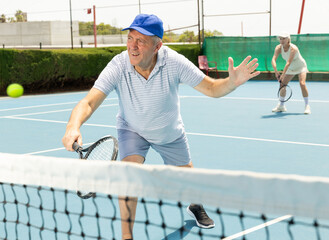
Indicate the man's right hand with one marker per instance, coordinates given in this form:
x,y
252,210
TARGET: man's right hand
x,y
71,136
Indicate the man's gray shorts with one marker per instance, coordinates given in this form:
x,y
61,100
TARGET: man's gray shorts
x,y
176,153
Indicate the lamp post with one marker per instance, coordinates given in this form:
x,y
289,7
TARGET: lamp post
x,y
270,30
301,17
71,26
139,4
202,16
199,36
95,28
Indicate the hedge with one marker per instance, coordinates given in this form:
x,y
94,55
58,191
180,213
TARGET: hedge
x,y
65,69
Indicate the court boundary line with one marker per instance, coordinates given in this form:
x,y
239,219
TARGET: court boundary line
x,y
258,227
259,139
48,105
181,97
257,99
55,111
188,133
52,150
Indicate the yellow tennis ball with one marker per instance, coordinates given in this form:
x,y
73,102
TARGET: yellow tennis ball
x,y
15,90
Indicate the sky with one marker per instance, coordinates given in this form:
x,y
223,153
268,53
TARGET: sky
x,y
285,14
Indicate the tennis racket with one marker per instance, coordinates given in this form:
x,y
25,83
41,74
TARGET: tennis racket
x,y
284,92
105,148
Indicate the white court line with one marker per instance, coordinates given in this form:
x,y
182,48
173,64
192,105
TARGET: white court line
x,y
259,139
37,106
51,150
45,151
189,133
55,111
232,98
250,230
258,99
48,105
55,121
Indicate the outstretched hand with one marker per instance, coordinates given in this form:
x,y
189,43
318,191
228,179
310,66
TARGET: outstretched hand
x,y
242,73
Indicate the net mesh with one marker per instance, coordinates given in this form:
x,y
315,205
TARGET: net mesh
x,y
313,47
46,205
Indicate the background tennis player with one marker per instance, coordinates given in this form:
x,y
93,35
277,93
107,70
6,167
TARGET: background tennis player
x,y
295,65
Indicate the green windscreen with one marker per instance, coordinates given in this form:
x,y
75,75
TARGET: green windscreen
x,y
313,47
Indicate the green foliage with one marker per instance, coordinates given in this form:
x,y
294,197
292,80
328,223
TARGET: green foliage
x,y
3,18
188,36
62,69
19,17
190,51
52,69
170,37
87,28
214,33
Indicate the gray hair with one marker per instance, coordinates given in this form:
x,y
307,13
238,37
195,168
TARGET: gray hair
x,y
156,39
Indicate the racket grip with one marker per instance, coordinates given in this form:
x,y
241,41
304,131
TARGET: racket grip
x,y
76,147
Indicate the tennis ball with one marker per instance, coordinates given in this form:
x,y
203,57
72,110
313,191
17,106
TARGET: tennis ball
x,y
15,90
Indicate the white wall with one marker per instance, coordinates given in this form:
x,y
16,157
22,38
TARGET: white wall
x,y
51,33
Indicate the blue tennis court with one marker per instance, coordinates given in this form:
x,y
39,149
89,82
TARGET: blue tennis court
x,y
236,132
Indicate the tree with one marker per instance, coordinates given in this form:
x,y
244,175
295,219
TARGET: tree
x,y
3,18
208,33
11,20
188,36
87,28
170,37
20,16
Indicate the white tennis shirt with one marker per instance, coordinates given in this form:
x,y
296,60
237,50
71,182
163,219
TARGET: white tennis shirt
x,y
150,107
298,64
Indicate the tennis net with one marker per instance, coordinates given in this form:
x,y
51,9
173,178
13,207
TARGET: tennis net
x,y
38,201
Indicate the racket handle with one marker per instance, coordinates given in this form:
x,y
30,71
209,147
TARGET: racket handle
x,y
76,147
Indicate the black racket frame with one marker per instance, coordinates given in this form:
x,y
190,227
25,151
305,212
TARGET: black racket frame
x,y
88,150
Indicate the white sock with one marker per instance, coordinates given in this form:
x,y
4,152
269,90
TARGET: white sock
x,y
281,101
306,100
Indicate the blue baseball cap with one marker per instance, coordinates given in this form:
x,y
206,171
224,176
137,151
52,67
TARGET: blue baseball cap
x,y
146,24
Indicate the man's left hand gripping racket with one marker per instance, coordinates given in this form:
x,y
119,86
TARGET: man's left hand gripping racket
x,y
105,148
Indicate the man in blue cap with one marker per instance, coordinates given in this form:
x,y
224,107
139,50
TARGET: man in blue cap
x,y
146,78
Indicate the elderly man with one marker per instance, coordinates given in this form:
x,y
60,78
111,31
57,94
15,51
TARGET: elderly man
x,y
146,78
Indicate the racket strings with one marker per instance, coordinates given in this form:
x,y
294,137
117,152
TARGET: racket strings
x,y
103,151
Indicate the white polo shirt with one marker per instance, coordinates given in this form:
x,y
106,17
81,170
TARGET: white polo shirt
x,y
150,107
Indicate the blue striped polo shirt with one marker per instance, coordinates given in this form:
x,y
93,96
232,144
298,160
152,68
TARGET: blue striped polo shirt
x,y
150,107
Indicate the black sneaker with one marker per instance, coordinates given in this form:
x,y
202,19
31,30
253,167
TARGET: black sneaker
x,y
200,216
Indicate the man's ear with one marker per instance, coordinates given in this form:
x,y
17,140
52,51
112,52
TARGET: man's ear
x,y
158,46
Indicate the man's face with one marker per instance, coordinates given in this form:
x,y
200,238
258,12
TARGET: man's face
x,y
141,49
